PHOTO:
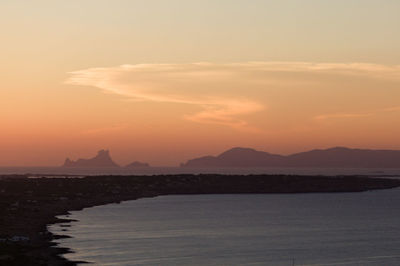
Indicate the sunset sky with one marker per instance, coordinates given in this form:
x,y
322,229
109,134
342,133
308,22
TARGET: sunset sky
x,y
163,81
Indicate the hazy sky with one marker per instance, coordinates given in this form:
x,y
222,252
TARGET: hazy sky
x,y
167,80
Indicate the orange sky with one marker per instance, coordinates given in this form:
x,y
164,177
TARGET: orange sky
x,y
165,83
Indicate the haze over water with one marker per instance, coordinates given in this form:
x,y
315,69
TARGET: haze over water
x,y
313,229
62,172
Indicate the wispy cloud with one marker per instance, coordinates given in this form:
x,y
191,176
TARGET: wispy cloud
x,y
362,69
392,109
340,116
193,84
222,91
356,115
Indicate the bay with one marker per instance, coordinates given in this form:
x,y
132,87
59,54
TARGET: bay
x,y
240,229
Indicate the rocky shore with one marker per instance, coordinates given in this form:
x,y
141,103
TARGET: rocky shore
x,y
28,205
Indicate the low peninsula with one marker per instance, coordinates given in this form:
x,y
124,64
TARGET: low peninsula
x,y
29,205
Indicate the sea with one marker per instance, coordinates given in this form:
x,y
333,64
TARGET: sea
x,y
76,171
239,229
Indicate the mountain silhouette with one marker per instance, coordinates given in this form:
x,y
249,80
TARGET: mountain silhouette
x,y
333,157
237,157
102,159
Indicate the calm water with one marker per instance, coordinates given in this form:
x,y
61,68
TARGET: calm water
x,y
275,229
53,171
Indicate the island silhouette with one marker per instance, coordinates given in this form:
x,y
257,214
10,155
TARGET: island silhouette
x,y
337,157
102,159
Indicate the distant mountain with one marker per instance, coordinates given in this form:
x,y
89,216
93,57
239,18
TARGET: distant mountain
x,y
102,159
137,165
334,157
236,157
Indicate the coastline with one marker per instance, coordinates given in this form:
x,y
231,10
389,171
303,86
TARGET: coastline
x,y
29,205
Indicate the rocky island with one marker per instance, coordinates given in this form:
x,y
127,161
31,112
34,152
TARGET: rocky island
x,y
28,205
102,159
337,157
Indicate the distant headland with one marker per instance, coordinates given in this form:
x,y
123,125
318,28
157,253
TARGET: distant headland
x,y
337,157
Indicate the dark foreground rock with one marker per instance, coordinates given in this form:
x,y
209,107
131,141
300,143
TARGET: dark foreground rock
x,y
27,206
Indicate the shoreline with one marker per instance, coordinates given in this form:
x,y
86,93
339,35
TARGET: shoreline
x,y
29,205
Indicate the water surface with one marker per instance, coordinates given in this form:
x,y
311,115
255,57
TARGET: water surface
x,y
259,229
60,171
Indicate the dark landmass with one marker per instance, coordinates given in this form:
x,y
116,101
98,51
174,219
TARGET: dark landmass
x,y
137,165
338,157
102,159
28,205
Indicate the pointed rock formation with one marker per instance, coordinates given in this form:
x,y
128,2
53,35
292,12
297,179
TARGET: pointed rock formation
x,y
102,159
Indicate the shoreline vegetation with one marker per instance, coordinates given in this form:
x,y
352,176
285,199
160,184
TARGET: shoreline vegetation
x,y
29,205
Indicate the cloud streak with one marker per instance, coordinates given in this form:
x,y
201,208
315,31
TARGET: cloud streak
x,y
223,92
193,84
324,117
340,116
